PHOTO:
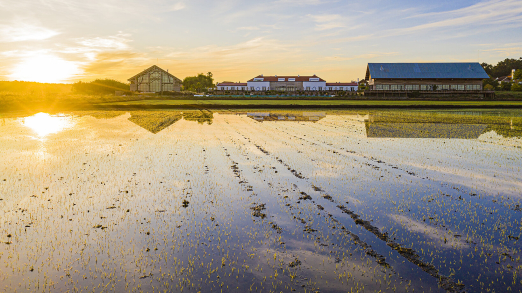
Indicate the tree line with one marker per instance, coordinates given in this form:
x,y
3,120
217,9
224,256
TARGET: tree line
x,y
199,83
100,87
503,68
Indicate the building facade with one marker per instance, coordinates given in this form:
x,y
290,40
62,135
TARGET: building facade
x,y
340,86
427,77
155,80
286,83
231,86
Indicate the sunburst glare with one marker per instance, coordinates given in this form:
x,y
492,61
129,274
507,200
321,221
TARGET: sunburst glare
x,y
45,68
44,124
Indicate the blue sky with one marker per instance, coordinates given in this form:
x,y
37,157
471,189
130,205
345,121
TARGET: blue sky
x,y
237,40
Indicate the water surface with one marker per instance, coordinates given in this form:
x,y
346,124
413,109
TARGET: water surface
x,y
267,201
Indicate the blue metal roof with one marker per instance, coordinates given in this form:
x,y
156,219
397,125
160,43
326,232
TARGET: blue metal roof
x,y
426,70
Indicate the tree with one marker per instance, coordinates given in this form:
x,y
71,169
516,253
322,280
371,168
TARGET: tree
x,y
516,87
505,86
199,83
518,75
503,68
488,87
491,82
488,68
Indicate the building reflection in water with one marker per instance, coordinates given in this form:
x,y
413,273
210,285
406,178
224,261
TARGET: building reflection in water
x,y
156,121
400,125
299,117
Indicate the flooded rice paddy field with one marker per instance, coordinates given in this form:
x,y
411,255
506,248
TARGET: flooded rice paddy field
x,y
195,201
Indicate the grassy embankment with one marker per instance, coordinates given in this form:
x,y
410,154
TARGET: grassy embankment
x,y
46,97
309,104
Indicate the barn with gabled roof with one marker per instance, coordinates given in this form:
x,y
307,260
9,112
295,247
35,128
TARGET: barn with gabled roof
x,y
425,76
155,80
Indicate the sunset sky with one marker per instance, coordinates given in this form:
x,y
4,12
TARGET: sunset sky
x,y
66,41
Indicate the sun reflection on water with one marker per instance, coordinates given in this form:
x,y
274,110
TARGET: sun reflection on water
x,y
44,124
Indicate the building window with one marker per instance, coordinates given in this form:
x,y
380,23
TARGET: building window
x,y
341,88
477,87
409,87
320,88
264,88
394,87
461,87
445,86
386,87
378,87
469,87
307,88
454,87
424,87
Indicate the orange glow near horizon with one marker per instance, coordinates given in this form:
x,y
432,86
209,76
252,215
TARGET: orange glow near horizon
x,y
46,69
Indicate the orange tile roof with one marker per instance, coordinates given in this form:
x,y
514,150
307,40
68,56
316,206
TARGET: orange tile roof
x,y
231,84
342,84
286,77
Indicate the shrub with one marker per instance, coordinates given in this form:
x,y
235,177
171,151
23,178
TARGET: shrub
x,y
516,87
488,87
505,86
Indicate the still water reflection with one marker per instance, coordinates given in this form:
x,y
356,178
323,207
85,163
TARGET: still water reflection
x,y
44,124
201,201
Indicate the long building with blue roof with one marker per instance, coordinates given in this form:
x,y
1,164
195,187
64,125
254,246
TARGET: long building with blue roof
x,y
425,77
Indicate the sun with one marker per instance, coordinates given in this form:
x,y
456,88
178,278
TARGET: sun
x,y
45,68
44,124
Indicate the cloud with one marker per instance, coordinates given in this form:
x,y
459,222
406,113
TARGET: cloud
x,y
445,239
353,39
361,57
248,28
109,63
248,49
495,13
304,2
178,6
117,42
506,51
328,21
19,32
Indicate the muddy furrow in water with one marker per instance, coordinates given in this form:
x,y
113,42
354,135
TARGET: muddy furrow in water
x,y
377,164
409,254
259,210
380,259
